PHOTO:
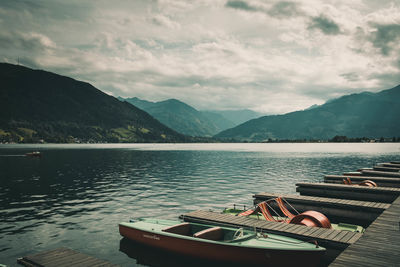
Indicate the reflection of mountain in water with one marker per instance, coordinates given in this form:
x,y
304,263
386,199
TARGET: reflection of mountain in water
x,y
150,256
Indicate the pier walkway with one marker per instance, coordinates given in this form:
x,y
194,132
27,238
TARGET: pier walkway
x,y
364,193
379,245
380,181
341,210
62,257
325,237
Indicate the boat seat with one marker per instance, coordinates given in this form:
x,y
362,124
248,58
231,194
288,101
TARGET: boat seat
x,y
215,233
180,229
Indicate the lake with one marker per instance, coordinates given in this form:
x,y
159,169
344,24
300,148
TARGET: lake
x,y
75,195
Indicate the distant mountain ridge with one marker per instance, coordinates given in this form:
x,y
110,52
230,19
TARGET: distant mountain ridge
x,y
181,117
187,120
365,114
238,116
37,105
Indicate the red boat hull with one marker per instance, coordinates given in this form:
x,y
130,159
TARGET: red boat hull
x,y
225,253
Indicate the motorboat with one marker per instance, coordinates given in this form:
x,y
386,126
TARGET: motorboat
x,y
222,244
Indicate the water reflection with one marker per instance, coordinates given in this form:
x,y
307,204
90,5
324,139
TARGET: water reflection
x,y
76,197
149,256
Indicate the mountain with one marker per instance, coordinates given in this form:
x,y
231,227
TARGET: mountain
x,y
238,116
182,117
38,105
365,114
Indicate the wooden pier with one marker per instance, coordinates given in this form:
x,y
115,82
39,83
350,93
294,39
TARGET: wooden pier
x,y
379,245
62,257
385,169
392,165
355,192
337,210
370,207
380,181
374,173
333,240
376,208
328,237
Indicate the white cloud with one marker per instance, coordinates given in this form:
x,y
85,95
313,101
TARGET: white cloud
x,y
275,56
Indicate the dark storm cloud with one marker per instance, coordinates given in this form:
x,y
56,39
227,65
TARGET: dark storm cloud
x,y
386,37
324,24
240,5
285,9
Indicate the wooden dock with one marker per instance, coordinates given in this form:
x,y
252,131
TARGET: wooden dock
x,y
364,193
376,208
392,165
380,181
385,169
62,257
337,210
380,173
333,240
379,246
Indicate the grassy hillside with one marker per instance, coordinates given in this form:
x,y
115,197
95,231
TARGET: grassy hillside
x,y
37,105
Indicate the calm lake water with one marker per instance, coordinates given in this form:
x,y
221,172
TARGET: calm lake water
x,y
75,195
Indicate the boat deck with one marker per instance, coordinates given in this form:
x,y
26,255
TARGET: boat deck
x,y
380,181
62,257
354,192
379,245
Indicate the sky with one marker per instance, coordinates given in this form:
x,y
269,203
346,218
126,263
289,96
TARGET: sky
x,y
272,57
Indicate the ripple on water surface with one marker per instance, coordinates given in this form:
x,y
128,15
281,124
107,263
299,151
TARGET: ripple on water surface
x,y
75,196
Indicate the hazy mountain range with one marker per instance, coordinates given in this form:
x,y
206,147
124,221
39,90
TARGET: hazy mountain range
x,y
365,114
37,106
187,120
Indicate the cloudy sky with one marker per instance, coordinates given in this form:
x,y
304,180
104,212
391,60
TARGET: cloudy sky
x,y
268,56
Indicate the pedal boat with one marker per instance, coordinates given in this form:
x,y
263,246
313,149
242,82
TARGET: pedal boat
x,y
336,226
222,244
262,211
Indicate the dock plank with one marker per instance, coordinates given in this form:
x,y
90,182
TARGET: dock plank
x,y
323,236
354,192
378,246
62,257
341,210
380,181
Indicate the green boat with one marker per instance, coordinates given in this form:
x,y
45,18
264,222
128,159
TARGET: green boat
x,y
222,244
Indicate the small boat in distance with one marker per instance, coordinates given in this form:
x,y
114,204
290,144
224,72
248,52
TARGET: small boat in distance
x,y
222,244
34,154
